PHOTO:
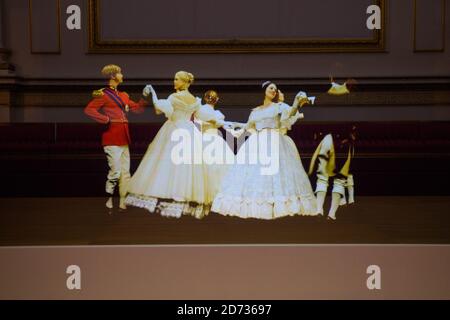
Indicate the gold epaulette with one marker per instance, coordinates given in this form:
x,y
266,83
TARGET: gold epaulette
x,y
98,93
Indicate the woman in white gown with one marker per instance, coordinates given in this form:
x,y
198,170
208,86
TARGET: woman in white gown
x,y
217,154
247,190
164,183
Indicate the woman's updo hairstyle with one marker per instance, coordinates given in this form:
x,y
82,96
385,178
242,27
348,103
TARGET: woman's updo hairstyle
x,y
187,77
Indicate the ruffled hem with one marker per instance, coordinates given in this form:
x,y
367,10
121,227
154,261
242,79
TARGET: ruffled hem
x,y
168,208
264,208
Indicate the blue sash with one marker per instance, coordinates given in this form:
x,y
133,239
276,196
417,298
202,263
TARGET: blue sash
x,y
115,98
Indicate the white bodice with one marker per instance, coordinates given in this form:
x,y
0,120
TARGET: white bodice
x,y
179,106
274,116
183,111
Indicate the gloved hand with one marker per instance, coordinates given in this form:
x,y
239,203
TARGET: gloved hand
x,y
148,90
228,125
301,96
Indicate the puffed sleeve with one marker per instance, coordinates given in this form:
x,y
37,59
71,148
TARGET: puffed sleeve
x,y
252,119
208,114
165,106
286,119
219,117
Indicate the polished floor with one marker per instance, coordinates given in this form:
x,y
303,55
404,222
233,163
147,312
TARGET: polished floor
x,y
84,221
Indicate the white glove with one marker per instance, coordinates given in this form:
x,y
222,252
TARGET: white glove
x,y
146,92
149,90
238,125
236,133
301,95
228,125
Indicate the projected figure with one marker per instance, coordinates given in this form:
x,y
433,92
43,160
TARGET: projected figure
x,y
325,156
268,181
114,106
337,89
217,154
171,178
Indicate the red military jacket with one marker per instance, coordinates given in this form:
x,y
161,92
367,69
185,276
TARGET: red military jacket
x,y
114,106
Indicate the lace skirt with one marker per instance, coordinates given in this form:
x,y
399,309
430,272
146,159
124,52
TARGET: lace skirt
x,y
265,189
162,185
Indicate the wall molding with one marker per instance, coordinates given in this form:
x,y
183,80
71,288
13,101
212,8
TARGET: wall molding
x,y
232,82
427,91
127,46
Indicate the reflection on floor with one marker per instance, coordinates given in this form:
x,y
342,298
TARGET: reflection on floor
x,y
84,221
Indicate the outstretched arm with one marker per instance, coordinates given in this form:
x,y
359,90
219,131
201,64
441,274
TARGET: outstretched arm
x,y
161,106
214,117
205,114
300,100
149,91
137,107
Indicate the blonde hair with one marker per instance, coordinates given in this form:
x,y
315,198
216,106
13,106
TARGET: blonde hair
x,y
186,77
111,70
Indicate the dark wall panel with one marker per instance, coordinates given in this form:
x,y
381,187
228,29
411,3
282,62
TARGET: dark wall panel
x,y
233,26
44,23
429,25
232,19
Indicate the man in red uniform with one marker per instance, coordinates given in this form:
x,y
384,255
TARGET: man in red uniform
x,y
114,106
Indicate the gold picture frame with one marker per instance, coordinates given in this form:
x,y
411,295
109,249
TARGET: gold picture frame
x,y
99,45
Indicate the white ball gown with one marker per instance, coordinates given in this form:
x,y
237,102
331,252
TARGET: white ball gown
x,y
217,154
162,184
247,191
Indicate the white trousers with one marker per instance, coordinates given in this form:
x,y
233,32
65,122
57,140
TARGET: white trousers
x,y
340,183
119,169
